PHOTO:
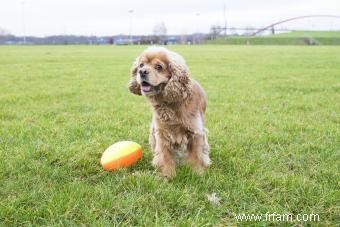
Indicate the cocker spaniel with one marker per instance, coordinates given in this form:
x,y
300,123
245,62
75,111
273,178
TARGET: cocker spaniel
x,y
178,107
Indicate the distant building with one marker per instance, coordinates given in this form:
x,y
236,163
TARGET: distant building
x,y
121,41
172,40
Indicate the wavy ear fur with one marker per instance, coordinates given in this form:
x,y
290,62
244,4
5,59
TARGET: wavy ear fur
x,y
134,87
179,86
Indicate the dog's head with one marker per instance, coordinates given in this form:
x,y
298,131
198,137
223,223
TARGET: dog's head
x,y
162,73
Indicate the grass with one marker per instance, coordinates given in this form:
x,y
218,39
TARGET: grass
x,y
273,120
319,34
289,38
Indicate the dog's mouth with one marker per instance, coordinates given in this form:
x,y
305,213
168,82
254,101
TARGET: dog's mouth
x,y
150,89
146,87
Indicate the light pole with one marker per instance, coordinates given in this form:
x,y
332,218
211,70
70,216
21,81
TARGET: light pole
x,y
225,20
130,25
23,21
197,28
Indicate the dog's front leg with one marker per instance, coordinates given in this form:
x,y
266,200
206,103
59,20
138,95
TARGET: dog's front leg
x,y
198,149
164,158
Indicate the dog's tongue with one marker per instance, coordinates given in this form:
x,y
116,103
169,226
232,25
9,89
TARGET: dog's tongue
x,y
146,88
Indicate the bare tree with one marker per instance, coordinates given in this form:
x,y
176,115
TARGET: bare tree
x,y
249,30
233,31
215,31
3,32
159,31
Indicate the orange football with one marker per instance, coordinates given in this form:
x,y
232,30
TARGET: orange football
x,y
121,154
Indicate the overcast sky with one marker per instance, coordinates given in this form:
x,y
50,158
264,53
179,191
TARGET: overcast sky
x,y
110,17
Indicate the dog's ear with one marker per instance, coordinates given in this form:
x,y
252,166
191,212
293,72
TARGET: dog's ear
x,y
178,87
134,87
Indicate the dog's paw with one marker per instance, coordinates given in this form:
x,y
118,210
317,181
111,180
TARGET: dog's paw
x,y
168,172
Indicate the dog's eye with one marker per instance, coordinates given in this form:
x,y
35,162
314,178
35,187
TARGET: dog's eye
x,y
141,65
158,67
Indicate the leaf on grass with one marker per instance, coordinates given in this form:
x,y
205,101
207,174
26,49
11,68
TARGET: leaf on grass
x,y
213,199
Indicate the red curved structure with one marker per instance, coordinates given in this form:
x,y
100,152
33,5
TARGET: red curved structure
x,y
290,19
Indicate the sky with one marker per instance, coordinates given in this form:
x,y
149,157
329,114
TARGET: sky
x,y
112,17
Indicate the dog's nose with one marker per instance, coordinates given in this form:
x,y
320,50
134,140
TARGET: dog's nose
x,y
143,73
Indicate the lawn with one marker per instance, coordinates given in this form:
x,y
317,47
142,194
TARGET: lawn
x,y
288,38
274,127
314,34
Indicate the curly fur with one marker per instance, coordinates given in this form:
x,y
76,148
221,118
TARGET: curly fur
x,y
134,87
177,126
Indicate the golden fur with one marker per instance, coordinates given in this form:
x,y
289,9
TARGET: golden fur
x,y
178,105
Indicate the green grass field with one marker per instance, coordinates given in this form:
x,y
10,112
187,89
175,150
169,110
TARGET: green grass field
x,y
274,127
289,38
319,34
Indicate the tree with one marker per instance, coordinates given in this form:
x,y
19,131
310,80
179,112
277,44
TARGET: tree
x,y
215,31
249,30
233,31
159,31
3,32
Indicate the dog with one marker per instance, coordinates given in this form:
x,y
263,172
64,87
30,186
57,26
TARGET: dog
x,y
178,107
